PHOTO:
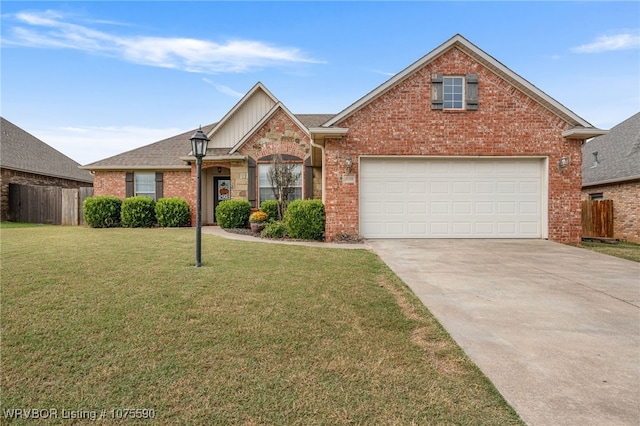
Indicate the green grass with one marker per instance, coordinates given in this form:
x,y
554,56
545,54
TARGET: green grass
x,y
11,225
625,250
97,319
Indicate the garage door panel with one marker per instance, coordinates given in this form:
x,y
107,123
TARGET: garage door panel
x,y
451,198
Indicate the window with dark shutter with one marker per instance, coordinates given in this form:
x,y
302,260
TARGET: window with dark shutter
x,y
308,179
437,93
472,92
159,186
129,184
251,190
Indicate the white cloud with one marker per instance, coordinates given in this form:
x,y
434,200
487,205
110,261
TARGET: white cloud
x,y
224,89
610,42
50,30
88,144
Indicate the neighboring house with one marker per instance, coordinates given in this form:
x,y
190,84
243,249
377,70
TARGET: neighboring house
x,y
26,160
455,146
611,171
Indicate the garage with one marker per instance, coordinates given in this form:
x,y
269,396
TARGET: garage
x,y
417,197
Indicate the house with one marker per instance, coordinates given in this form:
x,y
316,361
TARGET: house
x,y
611,171
26,160
454,146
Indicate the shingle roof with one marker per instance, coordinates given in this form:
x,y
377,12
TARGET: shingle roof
x,y
24,152
167,153
618,154
164,154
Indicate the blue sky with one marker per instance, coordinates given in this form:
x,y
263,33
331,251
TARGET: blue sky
x,y
93,79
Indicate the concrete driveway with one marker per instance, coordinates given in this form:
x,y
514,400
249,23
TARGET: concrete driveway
x,y
555,328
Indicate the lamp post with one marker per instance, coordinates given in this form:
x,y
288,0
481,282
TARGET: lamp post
x,y
199,149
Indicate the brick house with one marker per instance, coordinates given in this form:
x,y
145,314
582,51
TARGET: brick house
x,y
26,160
455,146
611,171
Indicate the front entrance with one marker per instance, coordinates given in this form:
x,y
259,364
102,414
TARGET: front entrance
x,y
221,191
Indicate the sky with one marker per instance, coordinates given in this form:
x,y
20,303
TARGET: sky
x,y
95,79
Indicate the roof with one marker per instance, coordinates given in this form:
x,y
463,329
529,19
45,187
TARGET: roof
x,y
24,152
482,57
169,154
618,155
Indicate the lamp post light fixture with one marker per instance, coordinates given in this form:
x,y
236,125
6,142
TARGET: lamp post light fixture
x,y
199,149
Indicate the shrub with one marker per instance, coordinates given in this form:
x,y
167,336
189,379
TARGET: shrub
x,y
305,219
102,211
274,229
233,213
172,212
270,207
258,217
138,212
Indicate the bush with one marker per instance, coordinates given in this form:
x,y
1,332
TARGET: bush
x,y
274,229
233,213
270,207
172,212
305,219
138,212
102,211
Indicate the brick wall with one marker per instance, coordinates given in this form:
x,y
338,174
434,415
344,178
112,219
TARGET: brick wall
x,y
507,123
25,178
176,183
626,207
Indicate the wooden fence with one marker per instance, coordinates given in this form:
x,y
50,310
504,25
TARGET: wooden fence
x,y
597,218
47,204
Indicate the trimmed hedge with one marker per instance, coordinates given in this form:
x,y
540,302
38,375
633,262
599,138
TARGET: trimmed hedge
x,y
172,212
233,213
305,219
138,212
274,229
102,211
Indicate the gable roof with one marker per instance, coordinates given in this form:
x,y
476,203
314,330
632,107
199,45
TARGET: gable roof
x,y
263,120
24,152
172,153
618,155
480,56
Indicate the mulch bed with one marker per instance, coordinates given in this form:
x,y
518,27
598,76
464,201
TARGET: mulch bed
x,y
247,231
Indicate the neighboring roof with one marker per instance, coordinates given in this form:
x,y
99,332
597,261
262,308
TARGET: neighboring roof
x,y
170,153
24,152
482,57
618,155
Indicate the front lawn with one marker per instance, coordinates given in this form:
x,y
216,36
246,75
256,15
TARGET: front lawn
x,y
114,319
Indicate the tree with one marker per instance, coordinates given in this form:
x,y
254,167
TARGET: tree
x,y
282,176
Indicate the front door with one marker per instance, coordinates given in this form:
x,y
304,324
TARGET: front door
x,y
222,191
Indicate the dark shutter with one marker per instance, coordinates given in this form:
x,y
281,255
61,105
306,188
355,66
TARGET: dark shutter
x,y
472,91
251,175
437,94
308,179
159,185
129,184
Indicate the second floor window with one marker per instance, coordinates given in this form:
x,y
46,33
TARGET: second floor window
x,y
453,88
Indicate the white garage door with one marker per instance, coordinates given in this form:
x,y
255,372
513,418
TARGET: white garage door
x,y
451,198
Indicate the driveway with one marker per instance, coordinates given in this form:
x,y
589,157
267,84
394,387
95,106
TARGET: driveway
x,y
555,328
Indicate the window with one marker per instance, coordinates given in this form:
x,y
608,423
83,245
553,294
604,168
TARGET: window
x,y
265,190
596,196
453,92
145,184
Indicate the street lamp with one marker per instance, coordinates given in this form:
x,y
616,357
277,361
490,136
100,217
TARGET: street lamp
x,y
199,150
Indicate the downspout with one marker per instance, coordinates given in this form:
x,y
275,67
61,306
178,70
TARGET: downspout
x,y
323,167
